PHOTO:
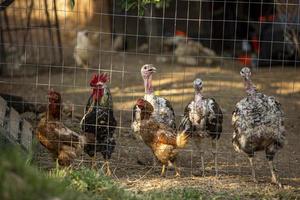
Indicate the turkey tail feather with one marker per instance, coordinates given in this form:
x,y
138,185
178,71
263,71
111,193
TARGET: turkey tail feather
x,y
185,125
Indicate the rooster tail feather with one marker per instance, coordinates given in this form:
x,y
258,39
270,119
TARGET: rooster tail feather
x,y
182,139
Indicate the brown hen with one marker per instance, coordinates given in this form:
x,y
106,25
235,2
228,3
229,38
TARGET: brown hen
x,y
163,140
64,144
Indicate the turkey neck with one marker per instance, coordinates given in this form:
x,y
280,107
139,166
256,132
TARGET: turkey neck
x,y
198,98
148,85
249,86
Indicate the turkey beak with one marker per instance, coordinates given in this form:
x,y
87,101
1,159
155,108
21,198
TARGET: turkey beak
x,y
152,69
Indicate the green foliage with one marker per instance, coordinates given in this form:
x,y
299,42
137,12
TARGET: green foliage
x,y
140,5
21,181
72,4
91,182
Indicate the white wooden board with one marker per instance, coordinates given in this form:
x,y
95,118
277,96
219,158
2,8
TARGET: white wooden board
x,y
26,135
2,111
14,124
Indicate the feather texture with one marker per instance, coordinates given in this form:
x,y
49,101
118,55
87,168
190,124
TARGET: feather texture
x,y
205,121
99,125
162,139
64,144
203,117
163,110
258,124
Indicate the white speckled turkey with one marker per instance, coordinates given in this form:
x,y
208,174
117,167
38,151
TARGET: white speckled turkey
x,y
258,125
163,110
203,118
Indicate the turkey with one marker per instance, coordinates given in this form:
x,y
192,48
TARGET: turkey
x,y
98,122
258,125
203,118
163,110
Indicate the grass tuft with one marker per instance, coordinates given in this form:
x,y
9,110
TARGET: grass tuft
x,y
20,180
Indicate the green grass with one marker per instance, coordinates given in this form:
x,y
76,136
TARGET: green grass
x,y
21,180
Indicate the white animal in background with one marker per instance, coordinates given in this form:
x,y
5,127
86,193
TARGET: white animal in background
x,y
188,52
84,47
15,57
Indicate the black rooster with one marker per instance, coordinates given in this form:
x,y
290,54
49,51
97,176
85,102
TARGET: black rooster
x,y
98,122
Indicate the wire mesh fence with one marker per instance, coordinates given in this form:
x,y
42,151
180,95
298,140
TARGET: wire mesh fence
x,y
48,45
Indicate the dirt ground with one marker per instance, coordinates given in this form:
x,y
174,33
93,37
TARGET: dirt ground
x,y
133,163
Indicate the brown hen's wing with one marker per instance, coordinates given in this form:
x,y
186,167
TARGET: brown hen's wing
x,y
53,134
165,135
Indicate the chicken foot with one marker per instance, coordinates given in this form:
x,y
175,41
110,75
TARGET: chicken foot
x,y
107,166
252,169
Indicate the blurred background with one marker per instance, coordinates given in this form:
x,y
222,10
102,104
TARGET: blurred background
x,y
59,44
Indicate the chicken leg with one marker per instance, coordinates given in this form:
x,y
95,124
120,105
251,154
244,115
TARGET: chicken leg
x,y
274,176
252,169
163,170
198,144
176,170
215,154
94,163
107,166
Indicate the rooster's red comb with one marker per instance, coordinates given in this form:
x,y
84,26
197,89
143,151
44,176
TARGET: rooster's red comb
x,y
99,78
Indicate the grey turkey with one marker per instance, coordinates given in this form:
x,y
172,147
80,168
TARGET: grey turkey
x,y
163,110
203,118
98,122
258,123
